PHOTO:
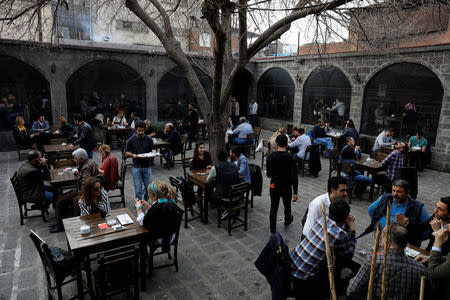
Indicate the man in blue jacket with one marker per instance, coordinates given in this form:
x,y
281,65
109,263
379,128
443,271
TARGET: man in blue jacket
x,y
241,162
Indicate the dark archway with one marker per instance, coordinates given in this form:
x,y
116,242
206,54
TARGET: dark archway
x,y
241,89
389,90
174,94
109,79
327,83
28,90
276,94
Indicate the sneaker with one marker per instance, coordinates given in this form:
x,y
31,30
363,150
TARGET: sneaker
x,y
288,222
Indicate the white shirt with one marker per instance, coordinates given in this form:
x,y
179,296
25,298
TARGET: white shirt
x,y
315,212
302,142
253,110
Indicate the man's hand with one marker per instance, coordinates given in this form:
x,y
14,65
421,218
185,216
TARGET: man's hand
x,y
70,146
441,237
294,197
351,222
435,224
358,148
401,219
422,258
43,161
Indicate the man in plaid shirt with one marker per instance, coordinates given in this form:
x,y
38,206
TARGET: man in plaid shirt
x,y
309,259
402,274
394,162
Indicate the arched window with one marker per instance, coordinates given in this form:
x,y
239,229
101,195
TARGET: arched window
x,y
174,93
26,90
391,89
276,94
323,86
118,85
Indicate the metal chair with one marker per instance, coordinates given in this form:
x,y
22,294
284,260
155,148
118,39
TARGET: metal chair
x,y
188,199
238,198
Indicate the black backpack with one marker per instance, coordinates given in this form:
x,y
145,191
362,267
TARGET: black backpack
x,y
187,191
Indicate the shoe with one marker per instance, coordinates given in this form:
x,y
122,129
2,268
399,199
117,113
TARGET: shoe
x,y
58,228
288,222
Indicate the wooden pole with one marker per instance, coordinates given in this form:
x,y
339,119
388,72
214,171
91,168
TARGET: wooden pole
x,y
422,288
386,250
328,254
372,264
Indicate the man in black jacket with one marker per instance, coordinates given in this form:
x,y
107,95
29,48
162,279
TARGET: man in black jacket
x,y
172,136
282,170
86,138
190,123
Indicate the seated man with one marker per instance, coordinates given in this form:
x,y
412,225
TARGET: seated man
x,y
383,139
242,130
394,162
310,276
39,129
350,153
403,209
337,188
349,131
301,141
225,174
418,145
172,136
86,168
402,276
439,266
337,111
319,136
30,178
241,162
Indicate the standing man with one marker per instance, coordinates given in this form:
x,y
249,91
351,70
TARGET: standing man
x,y
234,112
253,112
301,141
282,171
86,138
241,162
190,123
142,172
337,188
133,120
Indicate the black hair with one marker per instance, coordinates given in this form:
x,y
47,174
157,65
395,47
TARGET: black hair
x,y
32,155
339,210
350,123
77,117
301,131
419,132
334,182
401,183
392,129
398,235
196,147
294,128
348,153
446,201
222,155
133,113
140,124
236,150
281,140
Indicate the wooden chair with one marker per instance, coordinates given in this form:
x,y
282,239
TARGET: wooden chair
x,y
184,141
58,141
120,186
118,269
55,275
22,151
257,130
350,171
186,165
156,245
238,198
23,205
64,163
334,160
250,147
301,163
187,205
265,153
382,155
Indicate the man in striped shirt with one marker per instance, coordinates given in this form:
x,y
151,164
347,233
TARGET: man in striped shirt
x,y
309,259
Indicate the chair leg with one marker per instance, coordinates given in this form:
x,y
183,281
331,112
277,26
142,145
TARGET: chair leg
x,y
58,288
122,196
229,223
21,214
43,214
185,215
175,257
218,217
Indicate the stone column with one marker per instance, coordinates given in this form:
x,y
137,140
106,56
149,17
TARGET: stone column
x,y
441,151
151,94
58,97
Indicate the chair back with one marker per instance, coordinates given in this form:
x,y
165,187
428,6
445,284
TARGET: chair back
x,y
44,253
382,155
252,136
58,141
266,146
347,168
334,159
239,193
257,130
64,163
186,162
15,185
309,149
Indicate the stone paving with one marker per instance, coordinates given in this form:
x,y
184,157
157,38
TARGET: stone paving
x,y
212,264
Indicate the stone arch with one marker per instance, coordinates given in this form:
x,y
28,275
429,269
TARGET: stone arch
x,y
30,87
388,90
326,82
174,93
276,91
109,78
242,91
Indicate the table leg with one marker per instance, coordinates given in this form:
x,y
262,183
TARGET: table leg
x,y
372,185
78,262
143,265
205,207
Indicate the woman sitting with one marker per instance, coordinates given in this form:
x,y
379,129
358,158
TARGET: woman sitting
x,y
273,147
20,133
93,198
120,119
202,158
109,168
159,217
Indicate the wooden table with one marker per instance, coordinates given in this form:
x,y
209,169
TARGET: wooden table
x,y
121,133
81,246
372,168
58,148
161,144
335,137
60,179
198,177
364,254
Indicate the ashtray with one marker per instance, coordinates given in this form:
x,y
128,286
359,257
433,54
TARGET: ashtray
x,y
111,222
85,229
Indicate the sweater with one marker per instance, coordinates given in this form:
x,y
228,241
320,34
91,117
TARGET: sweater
x,y
282,170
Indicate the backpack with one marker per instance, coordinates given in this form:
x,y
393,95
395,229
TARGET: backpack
x,y
187,191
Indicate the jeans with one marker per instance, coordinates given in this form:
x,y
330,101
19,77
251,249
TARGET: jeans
x,y
239,141
165,154
48,194
275,195
142,177
325,141
90,154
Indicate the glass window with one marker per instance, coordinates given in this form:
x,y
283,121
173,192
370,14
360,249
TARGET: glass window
x,y
276,94
205,40
406,96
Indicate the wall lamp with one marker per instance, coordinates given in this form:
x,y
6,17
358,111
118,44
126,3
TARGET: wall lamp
x,y
298,78
357,78
151,72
